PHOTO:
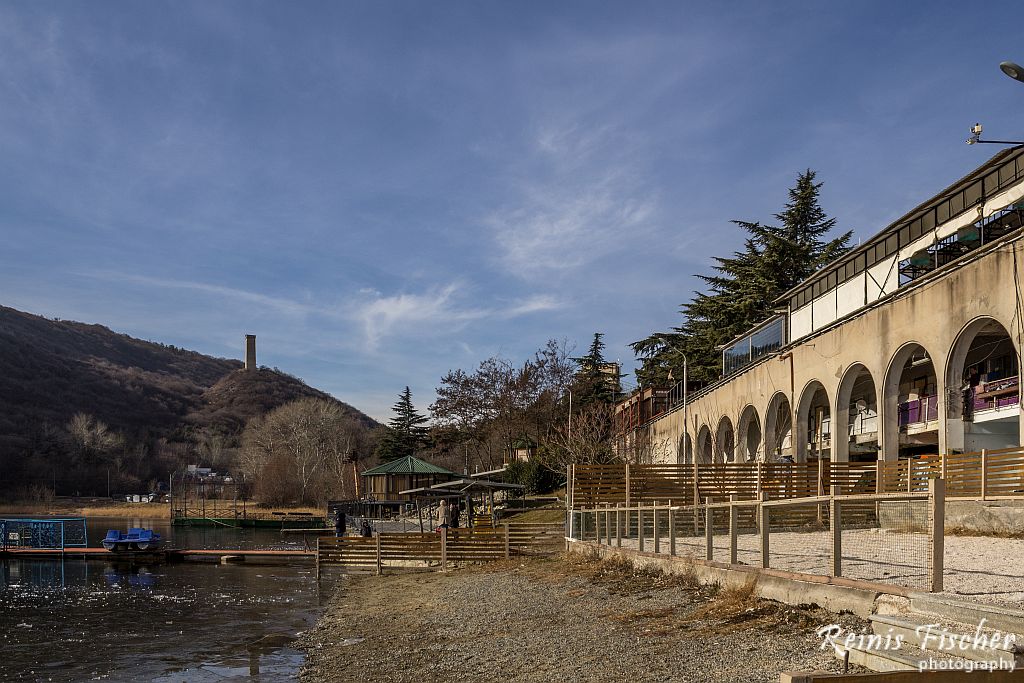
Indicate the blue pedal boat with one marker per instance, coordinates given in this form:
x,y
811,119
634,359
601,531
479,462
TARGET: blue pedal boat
x,y
135,539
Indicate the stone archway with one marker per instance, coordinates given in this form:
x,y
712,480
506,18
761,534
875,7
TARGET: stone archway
x,y
705,449
912,399
856,435
813,424
725,441
983,389
748,433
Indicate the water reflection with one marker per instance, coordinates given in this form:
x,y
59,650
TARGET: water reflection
x,y
78,620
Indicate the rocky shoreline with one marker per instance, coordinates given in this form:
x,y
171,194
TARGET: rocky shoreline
x,y
566,618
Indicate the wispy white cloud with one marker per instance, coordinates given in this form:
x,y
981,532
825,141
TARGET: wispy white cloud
x,y
280,304
554,229
439,308
378,315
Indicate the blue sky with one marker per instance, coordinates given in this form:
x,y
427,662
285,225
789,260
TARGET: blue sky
x,y
383,191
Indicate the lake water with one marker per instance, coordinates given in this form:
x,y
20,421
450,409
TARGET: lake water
x,y
193,622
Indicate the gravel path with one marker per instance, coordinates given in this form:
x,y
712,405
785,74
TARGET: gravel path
x,y
558,619
977,567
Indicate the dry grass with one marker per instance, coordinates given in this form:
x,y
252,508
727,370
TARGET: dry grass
x,y
80,508
553,515
963,531
149,510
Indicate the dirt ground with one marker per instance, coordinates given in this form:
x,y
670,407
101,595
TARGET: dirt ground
x,y
565,618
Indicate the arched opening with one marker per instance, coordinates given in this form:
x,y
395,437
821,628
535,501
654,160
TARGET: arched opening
x,y
983,391
684,456
704,447
778,429
725,441
911,410
856,425
748,433
814,424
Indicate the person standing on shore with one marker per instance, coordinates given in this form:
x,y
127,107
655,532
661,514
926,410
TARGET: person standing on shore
x,y
442,515
339,523
454,512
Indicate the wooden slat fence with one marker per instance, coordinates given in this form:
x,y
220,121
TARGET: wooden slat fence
x,y
986,474
436,550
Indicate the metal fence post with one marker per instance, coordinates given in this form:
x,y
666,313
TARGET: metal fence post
x,y
640,525
568,485
507,541
709,537
671,532
879,476
380,568
984,473
937,509
734,522
618,525
836,520
657,535
444,549
762,518
608,523
628,498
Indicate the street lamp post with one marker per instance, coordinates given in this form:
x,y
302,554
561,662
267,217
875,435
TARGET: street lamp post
x,y
1016,72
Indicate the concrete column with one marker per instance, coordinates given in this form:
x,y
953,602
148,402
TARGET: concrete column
x,y
799,437
940,390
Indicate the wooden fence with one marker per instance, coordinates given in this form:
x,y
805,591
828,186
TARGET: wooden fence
x,y
422,550
983,475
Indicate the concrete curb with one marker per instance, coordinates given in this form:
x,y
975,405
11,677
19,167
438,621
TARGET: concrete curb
x,y
791,589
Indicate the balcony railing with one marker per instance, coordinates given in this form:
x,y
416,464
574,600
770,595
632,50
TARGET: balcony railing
x,y
918,411
863,424
998,393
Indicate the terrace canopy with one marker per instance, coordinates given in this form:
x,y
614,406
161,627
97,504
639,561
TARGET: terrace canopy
x,y
460,488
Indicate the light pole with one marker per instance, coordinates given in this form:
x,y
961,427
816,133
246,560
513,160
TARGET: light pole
x,y
1016,72
686,421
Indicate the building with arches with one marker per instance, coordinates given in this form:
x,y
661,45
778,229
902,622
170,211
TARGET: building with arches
x,y
908,344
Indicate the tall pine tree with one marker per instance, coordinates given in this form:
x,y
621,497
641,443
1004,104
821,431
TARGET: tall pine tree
x,y
744,288
596,379
405,433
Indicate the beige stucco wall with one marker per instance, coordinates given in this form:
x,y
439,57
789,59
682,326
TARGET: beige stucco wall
x,y
932,312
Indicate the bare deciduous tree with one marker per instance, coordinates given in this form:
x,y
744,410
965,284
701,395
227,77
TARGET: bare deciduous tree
x,y
302,452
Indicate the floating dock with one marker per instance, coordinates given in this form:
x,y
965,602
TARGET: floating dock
x,y
283,522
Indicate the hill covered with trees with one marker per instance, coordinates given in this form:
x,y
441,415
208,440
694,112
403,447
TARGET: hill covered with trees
x,y
79,402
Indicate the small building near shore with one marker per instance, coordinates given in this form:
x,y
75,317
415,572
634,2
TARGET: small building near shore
x,y
385,481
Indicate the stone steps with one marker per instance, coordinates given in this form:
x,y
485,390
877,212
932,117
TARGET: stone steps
x,y
961,611
931,635
941,631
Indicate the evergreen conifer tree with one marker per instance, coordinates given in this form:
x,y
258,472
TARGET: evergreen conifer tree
x,y
744,288
405,433
594,381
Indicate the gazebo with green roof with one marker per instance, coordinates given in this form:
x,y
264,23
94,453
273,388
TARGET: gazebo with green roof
x,y
384,482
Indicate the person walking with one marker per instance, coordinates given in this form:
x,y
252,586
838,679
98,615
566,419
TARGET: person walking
x,y
339,523
443,515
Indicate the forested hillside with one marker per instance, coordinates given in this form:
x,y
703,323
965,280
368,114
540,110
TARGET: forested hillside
x,y
78,401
